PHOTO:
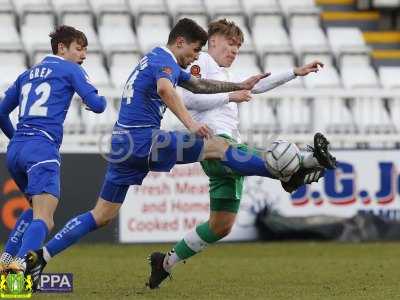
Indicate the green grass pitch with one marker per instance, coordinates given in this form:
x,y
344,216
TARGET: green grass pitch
x,y
237,271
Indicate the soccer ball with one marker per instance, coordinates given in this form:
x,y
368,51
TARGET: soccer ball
x,y
283,159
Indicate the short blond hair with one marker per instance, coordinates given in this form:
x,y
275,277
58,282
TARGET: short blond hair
x,y
226,28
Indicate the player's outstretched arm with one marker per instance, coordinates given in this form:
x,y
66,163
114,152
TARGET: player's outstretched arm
x,y
209,86
174,102
7,105
274,81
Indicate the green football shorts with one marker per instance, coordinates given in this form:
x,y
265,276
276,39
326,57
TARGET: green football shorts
x,y
226,186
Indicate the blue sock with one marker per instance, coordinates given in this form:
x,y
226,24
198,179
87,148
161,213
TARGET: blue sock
x,y
15,238
34,237
245,163
75,229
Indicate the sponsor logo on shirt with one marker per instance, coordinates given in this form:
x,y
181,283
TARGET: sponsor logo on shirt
x,y
167,70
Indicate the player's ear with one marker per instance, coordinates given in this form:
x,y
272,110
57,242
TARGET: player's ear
x,y
180,41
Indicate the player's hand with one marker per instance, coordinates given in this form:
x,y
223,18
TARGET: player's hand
x,y
308,68
240,96
201,130
250,82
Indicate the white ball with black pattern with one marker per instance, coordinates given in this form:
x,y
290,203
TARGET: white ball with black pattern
x,y
283,159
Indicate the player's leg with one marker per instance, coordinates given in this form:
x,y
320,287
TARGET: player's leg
x,y
225,194
14,240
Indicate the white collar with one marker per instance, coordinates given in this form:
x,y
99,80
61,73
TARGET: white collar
x,y
170,53
56,56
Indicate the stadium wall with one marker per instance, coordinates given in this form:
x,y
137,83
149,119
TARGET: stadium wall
x,y
81,179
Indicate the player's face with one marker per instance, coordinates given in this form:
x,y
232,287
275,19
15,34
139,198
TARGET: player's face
x,y
189,52
75,52
224,49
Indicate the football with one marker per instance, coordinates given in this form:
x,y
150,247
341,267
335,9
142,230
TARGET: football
x,y
283,159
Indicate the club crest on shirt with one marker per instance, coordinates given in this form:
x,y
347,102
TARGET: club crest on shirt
x,y
167,70
195,71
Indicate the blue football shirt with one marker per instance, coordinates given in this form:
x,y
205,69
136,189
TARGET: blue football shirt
x,y
44,94
141,106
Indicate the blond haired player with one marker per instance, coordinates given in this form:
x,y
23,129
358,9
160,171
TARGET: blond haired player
x,y
220,113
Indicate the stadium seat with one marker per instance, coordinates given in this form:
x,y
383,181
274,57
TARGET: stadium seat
x,y
334,115
152,31
394,106
307,36
357,72
84,22
271,27
386,3
292,7
6,6
371,116
171,122
200,19
12,65
35,31
257,115
239,20
327,77
260,7
278,63
94,66
178,7
389,77
138,7
122,65
38,57
222,7
9,37
346,40
116,34
245,65
103,6
73,122
100,123
63,6
294,115
26,6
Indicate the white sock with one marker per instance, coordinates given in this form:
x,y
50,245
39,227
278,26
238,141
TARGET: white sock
x,y
46,255
170,260
309,161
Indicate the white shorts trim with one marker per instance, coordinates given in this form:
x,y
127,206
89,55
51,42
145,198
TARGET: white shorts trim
x,y
44,162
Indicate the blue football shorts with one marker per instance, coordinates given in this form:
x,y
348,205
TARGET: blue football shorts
x,y
34,164
137,151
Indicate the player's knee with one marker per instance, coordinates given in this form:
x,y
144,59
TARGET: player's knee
x,y
102,218
215,148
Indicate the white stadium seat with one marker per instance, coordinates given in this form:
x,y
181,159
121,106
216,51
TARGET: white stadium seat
x,y
152,31
103,6
100,123
122,65
222,7
83,22
138,7
346,39
63,6
292,7
6,6
279,63
177,7
38,57
94,66
389,77
116,34
200,19
24,6
12,65
35,31
327,77
357,72
307,36
386,3
257,115
271,27
9,37
294,115
258,7
73,122
245,65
